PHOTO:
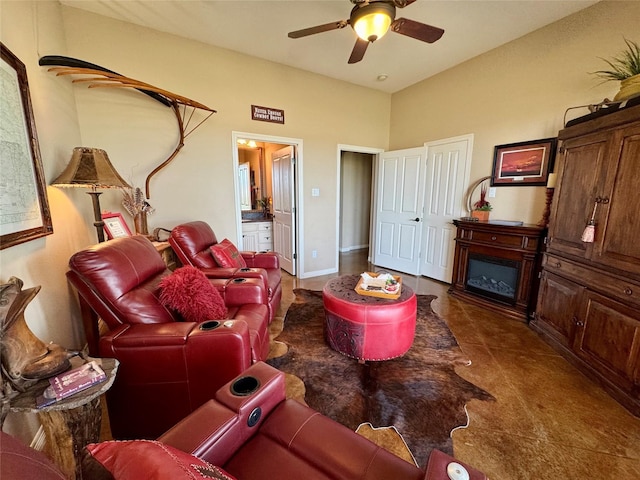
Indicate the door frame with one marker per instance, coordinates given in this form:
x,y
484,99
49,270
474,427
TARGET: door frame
x,y
298,188
355,149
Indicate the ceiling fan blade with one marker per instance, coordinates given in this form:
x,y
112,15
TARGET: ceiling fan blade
x,y
417,30
318,29
358,51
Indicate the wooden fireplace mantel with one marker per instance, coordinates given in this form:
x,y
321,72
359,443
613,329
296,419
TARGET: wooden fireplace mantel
x,y
500,240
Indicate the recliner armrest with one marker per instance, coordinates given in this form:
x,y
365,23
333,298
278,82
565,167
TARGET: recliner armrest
x,y
203,431
216,430
437,467
183,351
248,272
240,291
266,260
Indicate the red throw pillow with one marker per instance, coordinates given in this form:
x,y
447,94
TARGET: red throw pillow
x,y
147,459
227,255
188,291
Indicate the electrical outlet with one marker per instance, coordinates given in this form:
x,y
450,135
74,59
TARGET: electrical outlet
x,y
314,253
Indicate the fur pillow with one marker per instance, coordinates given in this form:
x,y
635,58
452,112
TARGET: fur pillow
x,y
148,459
227,255
188,291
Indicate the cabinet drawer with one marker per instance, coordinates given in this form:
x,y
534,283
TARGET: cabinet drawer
x,y
264,236
250,227
501,239
607,284
265,226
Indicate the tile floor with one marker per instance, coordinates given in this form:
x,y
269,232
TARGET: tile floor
x,y
549,422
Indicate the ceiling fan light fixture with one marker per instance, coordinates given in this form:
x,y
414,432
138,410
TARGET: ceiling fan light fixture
x,y
372,21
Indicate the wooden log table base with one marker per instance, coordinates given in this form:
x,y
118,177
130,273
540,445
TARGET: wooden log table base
x,y
70,424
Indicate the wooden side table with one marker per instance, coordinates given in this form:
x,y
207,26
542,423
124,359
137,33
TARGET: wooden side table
x,y
70,424
168,255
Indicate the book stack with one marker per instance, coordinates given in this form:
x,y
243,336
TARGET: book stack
x,y
71,382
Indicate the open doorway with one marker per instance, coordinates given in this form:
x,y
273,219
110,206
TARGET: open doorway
x,y
259,196
356,200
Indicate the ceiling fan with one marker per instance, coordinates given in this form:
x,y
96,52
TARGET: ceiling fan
x,y
371,19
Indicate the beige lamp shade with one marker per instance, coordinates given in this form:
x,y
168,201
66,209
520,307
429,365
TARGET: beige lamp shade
x,y
90,167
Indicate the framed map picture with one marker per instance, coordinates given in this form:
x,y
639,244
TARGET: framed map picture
x,y
24,207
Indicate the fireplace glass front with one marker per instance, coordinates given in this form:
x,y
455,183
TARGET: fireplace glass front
x,y
492,277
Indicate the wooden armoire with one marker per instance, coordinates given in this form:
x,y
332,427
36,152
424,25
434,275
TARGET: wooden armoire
x,y
589,299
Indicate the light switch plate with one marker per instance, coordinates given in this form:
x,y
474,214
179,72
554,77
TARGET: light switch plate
x,y
315,192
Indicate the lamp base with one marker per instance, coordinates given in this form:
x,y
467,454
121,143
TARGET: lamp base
x,y
97,215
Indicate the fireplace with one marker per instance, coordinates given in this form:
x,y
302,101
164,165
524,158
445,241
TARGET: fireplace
x,y
496,265
493,277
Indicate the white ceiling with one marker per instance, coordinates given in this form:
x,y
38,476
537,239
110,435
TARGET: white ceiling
x,y
260,27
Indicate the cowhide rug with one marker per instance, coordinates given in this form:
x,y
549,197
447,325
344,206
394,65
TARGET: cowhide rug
x,y
419,394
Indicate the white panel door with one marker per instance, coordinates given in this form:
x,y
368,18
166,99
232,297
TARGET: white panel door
x,y
284,227
399,209
447,175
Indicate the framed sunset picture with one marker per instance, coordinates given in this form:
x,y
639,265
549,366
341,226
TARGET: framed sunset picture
x,y
523,163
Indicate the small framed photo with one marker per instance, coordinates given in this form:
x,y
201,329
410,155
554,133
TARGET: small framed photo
x,y
115,226
524,163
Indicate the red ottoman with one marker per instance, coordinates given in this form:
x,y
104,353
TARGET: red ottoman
x,y
367,328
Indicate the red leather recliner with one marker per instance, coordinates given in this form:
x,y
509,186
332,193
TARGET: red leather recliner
x,y
192,242
168,367
252,435
258,435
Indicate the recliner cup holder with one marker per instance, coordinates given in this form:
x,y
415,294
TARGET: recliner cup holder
x,y
239,280
209,325
245,386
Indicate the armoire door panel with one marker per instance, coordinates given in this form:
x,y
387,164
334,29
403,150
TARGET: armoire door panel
x,y
558,302
618,241
610,338
575,198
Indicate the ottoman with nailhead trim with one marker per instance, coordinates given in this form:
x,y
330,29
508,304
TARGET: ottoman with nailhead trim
x,y
367,328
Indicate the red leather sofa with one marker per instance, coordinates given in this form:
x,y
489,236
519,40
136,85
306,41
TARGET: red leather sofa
x,y
192,243
251,432
168,367
247,432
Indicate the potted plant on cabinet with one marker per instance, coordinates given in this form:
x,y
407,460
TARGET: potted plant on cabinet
x,y
625,68
482,207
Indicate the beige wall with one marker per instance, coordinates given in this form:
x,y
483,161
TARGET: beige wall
x,y
517,92
29,30
138,133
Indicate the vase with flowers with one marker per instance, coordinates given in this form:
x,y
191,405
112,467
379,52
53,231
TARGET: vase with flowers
x,y
482,207
138,207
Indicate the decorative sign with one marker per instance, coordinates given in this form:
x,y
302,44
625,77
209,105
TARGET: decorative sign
x,y
267,114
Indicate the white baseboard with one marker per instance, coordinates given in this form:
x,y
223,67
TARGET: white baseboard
x,y
318,273
353,247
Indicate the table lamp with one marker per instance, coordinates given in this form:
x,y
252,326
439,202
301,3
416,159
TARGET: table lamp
x,y
91,168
